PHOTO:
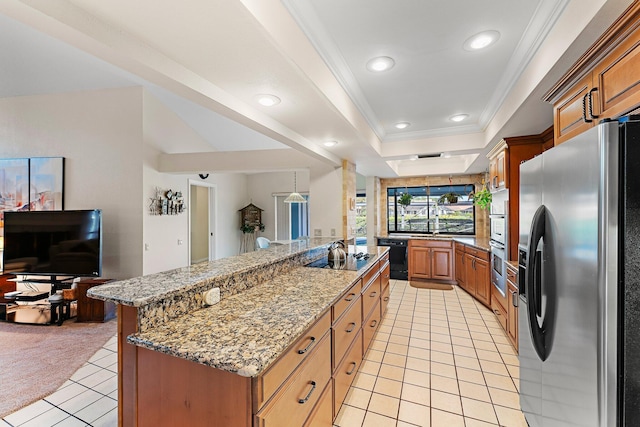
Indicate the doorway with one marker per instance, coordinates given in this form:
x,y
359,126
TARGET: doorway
x,y
202,222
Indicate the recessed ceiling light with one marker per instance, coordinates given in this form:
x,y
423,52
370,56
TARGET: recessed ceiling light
x,y
381,63
402,125
481,40
267,100
458,117
330,143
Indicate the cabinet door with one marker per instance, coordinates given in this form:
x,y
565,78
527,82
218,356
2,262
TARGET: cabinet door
x,y
616,80
469,274
483,281
419,264
512,315
569,117
493,174
442,264
501,165
459,267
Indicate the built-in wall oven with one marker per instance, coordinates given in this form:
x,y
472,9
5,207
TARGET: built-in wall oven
x,y
498,239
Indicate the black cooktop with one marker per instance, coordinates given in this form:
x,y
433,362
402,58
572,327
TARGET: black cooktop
x,y
353,262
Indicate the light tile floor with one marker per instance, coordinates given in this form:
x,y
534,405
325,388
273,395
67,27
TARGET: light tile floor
x,y
88,398
439,359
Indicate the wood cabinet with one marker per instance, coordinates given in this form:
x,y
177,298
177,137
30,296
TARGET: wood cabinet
x,y
472,267
512,305
267,384
498,167
304,386
499,307
431,259
459,265
514,151
295,400
90,309
604,83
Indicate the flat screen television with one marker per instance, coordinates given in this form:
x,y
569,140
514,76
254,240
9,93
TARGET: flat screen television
x,y
56,243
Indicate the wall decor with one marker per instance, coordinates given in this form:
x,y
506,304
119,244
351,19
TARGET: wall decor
x,y
166,202
46,183
31,184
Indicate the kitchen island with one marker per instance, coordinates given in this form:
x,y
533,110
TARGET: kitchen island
x,y
181,361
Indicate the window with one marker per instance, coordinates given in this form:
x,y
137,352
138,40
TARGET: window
x,y
431,209
291,219
361,218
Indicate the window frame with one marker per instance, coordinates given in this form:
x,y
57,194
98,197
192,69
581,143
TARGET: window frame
x,y
427,190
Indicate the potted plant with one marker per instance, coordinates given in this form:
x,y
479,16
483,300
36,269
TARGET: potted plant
x,y
405,199
448,197
482,198
250,228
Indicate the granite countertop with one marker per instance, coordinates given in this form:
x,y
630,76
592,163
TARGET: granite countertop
x,y
245,332
477,242
143,290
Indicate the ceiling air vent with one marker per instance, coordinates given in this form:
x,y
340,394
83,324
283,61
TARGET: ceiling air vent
x,y
429,156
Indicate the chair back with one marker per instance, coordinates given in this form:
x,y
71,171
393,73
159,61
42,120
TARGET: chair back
x,y
262,242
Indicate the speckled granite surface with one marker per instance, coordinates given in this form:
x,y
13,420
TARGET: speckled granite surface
x,y
268,299
245,332
476,242
143,290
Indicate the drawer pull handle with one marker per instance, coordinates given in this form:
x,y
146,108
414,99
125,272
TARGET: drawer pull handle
x,y
593,116
373,294
352,369
514,298
386,299
308,347
349,297
351,327
374,323
313,387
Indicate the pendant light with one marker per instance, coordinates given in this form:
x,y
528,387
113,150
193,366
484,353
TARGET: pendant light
x,y
295,197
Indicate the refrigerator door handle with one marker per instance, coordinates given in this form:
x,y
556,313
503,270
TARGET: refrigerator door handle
x,y
533,282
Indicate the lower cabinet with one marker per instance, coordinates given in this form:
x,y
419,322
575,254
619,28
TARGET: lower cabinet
x,y
296,399
305,386
431,259
512,307
346,372
473,272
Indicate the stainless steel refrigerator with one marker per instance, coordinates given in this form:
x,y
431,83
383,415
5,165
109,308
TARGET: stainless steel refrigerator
x,y
579,314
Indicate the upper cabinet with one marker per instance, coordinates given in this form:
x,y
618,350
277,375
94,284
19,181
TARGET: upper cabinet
x,y
498,167
604,83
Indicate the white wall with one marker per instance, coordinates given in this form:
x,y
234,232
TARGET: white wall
x,y
100,135
325,201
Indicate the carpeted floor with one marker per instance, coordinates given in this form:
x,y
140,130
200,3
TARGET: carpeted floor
x,y
37,359
431,285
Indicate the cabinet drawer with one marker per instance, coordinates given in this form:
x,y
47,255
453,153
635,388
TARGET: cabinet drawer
x,y
384,258
370,326
384,301
322,415
370,295
345,330
425,243
385,275
479,253
271,380
512,276
295,401
346,372
368,276
347,299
